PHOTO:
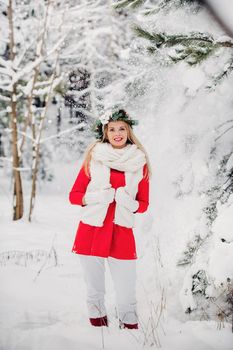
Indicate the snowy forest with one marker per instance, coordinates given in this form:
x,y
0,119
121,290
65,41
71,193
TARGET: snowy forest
x,y
169,63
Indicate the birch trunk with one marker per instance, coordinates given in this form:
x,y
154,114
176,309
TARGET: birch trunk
x,y
18,190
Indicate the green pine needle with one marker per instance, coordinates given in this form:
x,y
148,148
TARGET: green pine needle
x,y
129,3
157,39
193,47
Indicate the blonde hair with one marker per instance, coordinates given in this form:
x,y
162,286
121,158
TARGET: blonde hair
x,y
131,139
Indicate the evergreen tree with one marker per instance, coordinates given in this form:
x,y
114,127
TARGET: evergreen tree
x,y
205,287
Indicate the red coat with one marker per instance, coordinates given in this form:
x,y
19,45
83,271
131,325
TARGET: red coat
x,y
110,239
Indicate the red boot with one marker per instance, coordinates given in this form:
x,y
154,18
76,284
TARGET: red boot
x,y
129,326
99,322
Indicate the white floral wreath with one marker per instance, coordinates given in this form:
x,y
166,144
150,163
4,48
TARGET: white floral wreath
x,y
104,118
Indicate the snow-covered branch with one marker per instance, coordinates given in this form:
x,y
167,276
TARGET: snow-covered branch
x,y
77,127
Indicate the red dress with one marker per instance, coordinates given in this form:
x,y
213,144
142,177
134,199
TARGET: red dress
x,y
110,239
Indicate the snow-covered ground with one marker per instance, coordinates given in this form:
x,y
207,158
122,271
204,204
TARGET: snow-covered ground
x,y
42,298
185,123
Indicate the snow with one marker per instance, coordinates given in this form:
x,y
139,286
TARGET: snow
x,y
193,79
43,303
220,266
223,225
187,131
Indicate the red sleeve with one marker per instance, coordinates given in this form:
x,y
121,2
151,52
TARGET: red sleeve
x,y
79,188
143,193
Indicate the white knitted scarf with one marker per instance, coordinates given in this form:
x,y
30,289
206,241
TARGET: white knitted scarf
x,y
129,159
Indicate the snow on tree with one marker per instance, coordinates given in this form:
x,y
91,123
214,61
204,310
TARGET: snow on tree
x,y
54,42
28,68
96,64
208,52
99,45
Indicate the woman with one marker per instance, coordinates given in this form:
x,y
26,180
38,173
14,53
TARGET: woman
x,y
112,185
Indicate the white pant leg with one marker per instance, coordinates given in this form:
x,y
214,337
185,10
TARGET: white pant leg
x,y
124,278
94,275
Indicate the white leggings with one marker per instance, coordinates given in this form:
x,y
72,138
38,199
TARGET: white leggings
x,y
123,273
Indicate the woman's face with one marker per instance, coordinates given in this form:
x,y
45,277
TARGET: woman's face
x,y
117,134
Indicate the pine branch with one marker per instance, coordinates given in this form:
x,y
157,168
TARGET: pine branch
x,y
149,36
224,73
199,282
192,54
155,8
129,3
162,5
163,39
191,249
193,47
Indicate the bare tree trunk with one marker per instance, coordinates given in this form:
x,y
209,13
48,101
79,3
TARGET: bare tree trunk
x,y
36,148
18,191
35,159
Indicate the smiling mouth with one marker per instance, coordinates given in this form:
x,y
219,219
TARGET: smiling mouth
x,y
118,139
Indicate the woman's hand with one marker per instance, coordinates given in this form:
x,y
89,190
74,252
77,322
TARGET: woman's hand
x,y
102,196
124,199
